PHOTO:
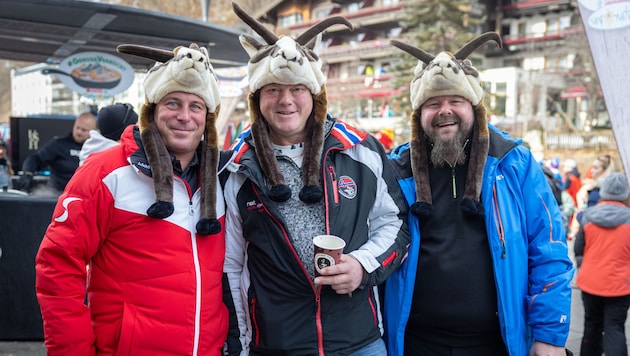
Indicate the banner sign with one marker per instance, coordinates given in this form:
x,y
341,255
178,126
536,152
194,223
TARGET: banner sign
x,y
607,25
94,75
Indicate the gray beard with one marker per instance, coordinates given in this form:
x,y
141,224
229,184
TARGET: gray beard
x,y
448,152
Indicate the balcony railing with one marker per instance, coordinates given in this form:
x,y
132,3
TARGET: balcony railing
x,y
597,140
378,48
372,15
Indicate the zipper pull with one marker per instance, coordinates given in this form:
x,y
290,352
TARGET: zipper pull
x,y
454,183
191,211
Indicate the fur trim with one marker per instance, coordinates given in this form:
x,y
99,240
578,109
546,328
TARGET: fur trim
x,y
189,71
287,61
448,74
185,70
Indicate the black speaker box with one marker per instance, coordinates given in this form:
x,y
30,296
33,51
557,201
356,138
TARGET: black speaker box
x,y
23,222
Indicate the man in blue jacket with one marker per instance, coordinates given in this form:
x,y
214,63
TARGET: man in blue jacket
x,y
487,271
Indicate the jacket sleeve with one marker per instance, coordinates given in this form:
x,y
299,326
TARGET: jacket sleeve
x,y
238,335
70,241
578,247
550,269
40,159
389,236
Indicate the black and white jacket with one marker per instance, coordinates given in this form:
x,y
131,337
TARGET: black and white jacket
x,y
279,309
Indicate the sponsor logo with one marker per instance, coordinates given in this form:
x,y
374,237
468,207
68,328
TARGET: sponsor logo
x,y
254,205
64,216
347,187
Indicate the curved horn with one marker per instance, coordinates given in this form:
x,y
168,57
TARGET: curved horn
x,y
156,54
320,27
265,33
421,55
471,46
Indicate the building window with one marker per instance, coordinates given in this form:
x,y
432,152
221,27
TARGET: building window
x,y
553,26
290,19
522,30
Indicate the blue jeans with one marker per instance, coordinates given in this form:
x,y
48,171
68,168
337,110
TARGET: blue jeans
x,y
376,348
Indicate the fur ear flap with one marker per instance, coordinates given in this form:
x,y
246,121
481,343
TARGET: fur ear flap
x,y
423,207
208,223
471,204
279,191
313,149
160,162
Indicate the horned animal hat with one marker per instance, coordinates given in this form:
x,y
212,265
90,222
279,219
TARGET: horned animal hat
x,y
287,61
448,74
181,70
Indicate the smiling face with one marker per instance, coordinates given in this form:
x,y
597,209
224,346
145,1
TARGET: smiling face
x,y
443,117
447,121
181,120
286,108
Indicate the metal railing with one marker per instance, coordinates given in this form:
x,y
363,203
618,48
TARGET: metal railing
x,y
597,140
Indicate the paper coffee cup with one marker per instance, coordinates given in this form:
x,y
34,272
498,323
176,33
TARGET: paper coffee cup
x,y
328,250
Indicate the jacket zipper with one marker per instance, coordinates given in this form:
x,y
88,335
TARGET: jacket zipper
x,y
499,222
333,178
318,322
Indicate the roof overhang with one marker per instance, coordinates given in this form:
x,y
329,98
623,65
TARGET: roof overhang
x,y
47,31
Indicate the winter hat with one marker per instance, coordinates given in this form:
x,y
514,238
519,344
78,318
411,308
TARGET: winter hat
x,y
181,70
448,74
287,61
614,187
113,119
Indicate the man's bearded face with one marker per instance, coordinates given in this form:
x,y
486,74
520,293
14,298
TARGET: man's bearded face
x,y
448,151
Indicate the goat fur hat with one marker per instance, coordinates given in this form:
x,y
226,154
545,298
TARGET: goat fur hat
x,y
448,74
287,61
185,69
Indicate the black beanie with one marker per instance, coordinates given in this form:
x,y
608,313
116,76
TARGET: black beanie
x,y
113,119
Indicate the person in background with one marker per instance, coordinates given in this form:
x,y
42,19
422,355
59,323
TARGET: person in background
x,y
564,200
144,217
588,195
602,248
111,121
5,167
61,154
298,173
571,178
487,271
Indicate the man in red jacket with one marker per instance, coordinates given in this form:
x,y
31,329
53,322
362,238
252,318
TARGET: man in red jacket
x,y
136,215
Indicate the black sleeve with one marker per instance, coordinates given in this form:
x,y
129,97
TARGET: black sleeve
x,y
232,342
578,248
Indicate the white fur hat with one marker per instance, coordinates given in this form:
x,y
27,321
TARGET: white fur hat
x,y
448,74
188,72
428,82
287,61
287,72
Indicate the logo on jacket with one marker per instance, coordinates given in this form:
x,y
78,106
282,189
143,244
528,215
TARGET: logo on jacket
x,y
254,205
347,187
63,217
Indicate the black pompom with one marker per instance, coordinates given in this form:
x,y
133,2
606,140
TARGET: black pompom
x,y
472,208
421,209
279,193
311,194
208,227
161,210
